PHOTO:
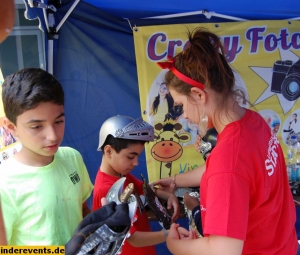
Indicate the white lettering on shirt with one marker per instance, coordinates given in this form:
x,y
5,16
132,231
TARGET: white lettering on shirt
x,y
272,156
202,208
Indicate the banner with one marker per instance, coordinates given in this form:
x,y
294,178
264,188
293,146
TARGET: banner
x,y
265,58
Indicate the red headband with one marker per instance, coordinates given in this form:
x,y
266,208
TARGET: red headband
x,y
170,64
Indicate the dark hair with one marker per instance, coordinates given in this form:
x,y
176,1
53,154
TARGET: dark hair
x,y
26,89
156,102
203,60
119,144
174,112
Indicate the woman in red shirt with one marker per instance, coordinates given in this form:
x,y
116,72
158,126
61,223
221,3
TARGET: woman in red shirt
x,y
245,200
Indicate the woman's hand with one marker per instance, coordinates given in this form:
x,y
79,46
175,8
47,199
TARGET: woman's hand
x,y
176,232
185,234
173,233
166,184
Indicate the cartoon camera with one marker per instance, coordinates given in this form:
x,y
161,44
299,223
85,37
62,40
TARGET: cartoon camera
x,y
286,79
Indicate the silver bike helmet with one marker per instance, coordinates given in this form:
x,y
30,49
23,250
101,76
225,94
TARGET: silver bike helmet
x,y
125,127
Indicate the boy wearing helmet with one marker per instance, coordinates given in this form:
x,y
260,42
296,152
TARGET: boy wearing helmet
x,y
121,141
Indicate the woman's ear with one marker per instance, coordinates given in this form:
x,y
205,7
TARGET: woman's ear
x,y
198,94
10,126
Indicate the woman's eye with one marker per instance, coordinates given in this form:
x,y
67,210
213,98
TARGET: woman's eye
x,y
60,121
35,127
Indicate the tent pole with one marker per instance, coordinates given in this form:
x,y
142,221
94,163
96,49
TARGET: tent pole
x,y
50,56
45,18
203,12
53,36
67,15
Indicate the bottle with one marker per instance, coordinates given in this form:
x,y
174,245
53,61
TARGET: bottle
x,y
289,169
289,159
297,156
295,161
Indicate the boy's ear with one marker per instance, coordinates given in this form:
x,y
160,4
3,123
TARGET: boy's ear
x,y
107,150
10,126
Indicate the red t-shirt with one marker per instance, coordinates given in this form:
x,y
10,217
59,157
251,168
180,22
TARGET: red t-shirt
x,y
102,185
244,192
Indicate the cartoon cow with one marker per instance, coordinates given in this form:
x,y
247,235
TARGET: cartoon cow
x,y
167,147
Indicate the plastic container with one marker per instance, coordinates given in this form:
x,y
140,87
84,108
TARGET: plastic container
x,y
297,157
295,160
289,163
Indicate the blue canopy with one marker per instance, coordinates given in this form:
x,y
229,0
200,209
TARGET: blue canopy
x,y
252,10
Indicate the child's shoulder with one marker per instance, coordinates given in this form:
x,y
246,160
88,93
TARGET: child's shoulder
x,y
64,151
12,168
68,155
9,163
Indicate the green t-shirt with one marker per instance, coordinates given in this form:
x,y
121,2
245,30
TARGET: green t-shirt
x,y
43,205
